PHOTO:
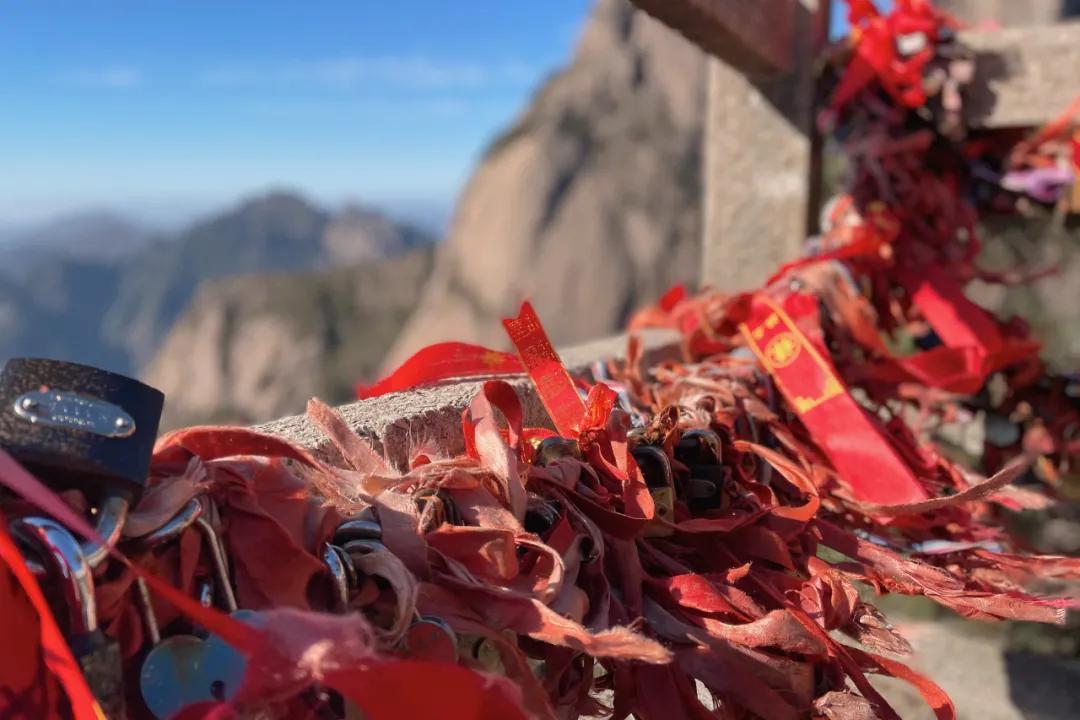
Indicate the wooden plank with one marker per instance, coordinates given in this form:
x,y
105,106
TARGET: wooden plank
x,y
755,36
1024,76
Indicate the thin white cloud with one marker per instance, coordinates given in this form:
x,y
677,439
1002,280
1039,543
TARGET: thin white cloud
x,y
115,77
418,72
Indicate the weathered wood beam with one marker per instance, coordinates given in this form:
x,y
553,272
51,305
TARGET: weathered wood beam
x,y
1024,76
754,36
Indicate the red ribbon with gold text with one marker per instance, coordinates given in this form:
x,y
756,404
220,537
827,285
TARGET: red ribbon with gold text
x,y
854,443
553,383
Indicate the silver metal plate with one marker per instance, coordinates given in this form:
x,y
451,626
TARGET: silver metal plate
x,y
71,411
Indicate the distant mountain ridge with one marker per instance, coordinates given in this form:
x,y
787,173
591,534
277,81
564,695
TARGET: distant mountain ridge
x,y
98,236
114,308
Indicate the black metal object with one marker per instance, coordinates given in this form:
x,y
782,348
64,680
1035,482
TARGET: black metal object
x,y
79,426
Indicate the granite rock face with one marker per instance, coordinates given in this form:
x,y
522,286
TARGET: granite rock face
x,y
251,348
589,205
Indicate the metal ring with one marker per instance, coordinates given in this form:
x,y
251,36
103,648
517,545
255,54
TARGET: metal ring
x,y
217,557
176,525
363,547
351,575
357,529
336,567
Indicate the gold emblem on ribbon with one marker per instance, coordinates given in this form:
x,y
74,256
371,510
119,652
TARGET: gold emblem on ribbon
x,y
782,350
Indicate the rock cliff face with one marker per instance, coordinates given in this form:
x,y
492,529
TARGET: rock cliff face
x,y
589,204
256,347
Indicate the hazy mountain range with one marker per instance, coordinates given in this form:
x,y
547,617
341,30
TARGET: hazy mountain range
x,y
101,290
589,203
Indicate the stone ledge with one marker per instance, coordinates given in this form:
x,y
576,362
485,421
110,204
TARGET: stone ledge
x,y
399,423
1025,76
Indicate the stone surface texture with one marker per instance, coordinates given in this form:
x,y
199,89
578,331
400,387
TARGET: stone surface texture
x,y
399,424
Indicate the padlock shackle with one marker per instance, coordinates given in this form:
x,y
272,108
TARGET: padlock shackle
x,y
218,560
62,556
112,512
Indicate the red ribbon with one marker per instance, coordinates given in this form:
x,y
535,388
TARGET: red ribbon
x,y
854,443
440,362
20,674
484,698
553,383
876,56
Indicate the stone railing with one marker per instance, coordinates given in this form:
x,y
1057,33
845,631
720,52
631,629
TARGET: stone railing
x,y
398,422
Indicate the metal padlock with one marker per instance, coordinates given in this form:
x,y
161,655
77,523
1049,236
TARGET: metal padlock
x,y
185,669
167,533
79,427
656,469
701,451
70,577
552,448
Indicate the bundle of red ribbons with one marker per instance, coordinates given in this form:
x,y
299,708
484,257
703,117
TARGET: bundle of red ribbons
x,y
660,549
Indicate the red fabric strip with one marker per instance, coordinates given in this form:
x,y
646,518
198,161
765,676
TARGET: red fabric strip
x,y
443,361
957,321
855,445
49,647
14,477
552,381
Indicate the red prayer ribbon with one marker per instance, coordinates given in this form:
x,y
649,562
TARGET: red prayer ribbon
x,y
443,361
855,445
553,383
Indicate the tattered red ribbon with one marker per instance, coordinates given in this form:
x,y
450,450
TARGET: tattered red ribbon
x,y
479,698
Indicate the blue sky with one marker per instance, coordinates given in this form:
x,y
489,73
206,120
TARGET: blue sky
x,y
164,106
